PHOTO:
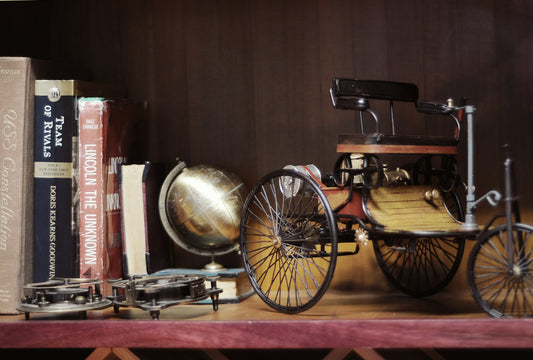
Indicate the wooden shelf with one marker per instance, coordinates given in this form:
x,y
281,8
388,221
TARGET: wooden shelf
x,y
247,71
339,320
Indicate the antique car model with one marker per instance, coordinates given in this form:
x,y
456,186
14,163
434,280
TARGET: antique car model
x,y
296,219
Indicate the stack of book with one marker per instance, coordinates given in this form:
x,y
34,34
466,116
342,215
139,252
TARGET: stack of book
x,y
17,83
83,131
62,140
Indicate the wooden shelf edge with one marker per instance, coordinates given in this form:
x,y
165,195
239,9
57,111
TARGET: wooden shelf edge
x,y
396,149
270,334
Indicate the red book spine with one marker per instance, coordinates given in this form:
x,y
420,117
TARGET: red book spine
x,y
118,139
91,187
106,133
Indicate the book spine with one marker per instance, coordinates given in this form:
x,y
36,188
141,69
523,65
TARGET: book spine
x,y
123,251
113,248
117,146
125,115
134,228
55,121
91,187
16,178
145,216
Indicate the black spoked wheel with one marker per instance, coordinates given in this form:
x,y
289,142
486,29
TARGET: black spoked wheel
x,y
288,241
372,172
419,266
341,177
444,176
500,271
422,266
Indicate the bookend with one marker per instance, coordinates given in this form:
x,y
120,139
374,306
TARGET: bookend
x,y
63,295
139,288
154,293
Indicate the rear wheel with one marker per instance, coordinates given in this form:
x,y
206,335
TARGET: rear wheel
x,y
419,266
444,175
422,266
500,271
288,241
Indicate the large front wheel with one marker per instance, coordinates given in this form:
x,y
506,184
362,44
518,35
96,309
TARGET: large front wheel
x,y
288,241
500,271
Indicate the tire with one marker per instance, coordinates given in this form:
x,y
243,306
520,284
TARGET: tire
x,y
419,267
288,241
501,282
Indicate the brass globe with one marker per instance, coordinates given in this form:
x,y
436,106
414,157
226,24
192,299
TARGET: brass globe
x,y
200,208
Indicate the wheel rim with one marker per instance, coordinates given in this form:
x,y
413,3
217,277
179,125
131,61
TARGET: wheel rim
x,y
341,178
502,283
424,266
419,267
372,172
445,177
288,241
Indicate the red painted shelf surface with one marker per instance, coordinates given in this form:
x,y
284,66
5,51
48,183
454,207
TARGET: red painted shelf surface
x,y
339,320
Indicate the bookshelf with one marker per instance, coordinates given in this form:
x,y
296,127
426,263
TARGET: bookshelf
x,y
243,84
341,320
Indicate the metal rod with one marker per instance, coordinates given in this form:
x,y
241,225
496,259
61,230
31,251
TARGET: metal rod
x,y
470,218
509,210
392,118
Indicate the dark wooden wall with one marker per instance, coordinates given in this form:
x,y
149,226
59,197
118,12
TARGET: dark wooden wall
x,y
243,84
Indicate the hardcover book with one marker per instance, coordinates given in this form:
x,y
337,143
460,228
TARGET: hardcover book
x,y
147,248
134,228
107,130
17,81
56,174
233,281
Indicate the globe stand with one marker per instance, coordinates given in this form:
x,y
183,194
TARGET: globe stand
x,y
213,266
192,198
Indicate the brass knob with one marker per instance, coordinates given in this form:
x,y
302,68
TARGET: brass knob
x,y
431,195
450,103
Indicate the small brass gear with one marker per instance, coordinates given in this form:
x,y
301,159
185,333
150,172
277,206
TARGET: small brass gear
x,y
361,237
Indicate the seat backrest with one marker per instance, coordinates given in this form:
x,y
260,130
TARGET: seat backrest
x,y
375,89
353,94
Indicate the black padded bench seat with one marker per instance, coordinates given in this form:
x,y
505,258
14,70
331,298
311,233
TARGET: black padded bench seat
x,y
353,94
375,89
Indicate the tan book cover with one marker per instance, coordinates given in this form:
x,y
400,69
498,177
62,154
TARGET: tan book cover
x,y
17,85
133,212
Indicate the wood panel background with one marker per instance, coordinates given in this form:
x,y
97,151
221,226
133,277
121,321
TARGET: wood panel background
x,y
243,84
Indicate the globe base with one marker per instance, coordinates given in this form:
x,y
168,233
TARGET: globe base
x,y
214,266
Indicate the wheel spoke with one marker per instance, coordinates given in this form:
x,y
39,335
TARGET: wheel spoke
x,y
419,267
286,224
502,283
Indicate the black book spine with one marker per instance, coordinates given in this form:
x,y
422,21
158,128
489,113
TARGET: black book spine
x,y
54,246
